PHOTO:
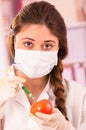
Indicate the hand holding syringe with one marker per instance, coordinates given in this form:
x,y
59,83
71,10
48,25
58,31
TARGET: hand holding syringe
x,y
22,86
26,90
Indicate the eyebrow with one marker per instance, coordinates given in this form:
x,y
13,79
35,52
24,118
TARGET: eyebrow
x,y
28,38
50,41
34,40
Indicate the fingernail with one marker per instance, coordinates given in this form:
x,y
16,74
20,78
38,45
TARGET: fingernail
x,y
23,80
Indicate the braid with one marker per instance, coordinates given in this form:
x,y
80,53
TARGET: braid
x,y
56,81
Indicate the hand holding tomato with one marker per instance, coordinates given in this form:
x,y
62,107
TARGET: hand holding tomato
x,y
43,106
52,121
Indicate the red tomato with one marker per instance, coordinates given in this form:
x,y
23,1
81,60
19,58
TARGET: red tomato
x,y
43,106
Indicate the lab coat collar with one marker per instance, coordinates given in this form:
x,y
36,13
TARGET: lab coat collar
x,y
23,100
44,94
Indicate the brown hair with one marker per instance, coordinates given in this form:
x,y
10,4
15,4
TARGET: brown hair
x,y
45,13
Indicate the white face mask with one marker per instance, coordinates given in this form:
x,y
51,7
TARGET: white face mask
x,y
35,64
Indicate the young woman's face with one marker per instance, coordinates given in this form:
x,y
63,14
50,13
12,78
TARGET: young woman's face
x,y
36,37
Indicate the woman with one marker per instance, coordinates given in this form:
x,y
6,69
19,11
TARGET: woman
x,y
38,44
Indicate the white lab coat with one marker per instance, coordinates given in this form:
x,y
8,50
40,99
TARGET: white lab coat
x,y
16,110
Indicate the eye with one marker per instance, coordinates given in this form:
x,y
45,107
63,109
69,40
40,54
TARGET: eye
x,y
28,44
47,46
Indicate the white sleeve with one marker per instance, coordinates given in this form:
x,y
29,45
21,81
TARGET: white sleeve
x,y
82,125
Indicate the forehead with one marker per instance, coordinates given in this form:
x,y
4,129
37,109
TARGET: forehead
x,y
36,31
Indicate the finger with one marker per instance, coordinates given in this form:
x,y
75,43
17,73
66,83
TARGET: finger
x,y
14,90
41,121
54,116
36,118
43,116
15,79
59,114
17,88
19,79
12,85
56,110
